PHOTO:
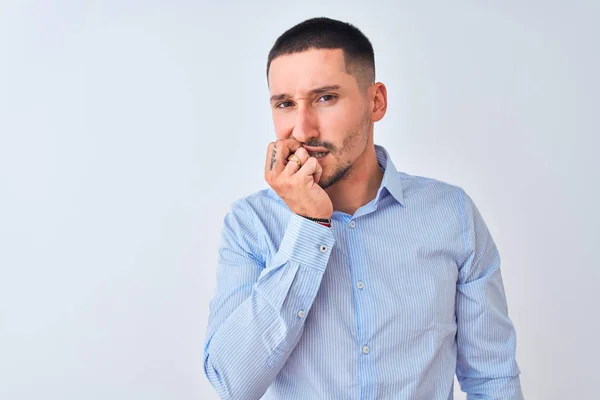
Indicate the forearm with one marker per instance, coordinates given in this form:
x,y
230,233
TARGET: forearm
x,y
486,338
255,325
502,388
247,351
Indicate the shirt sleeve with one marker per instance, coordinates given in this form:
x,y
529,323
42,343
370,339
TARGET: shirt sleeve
x,y
257,314
486,339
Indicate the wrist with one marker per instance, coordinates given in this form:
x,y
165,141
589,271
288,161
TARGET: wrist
x,y
321,221
316,219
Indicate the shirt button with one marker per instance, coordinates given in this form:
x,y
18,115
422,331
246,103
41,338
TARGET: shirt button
x,y
360,284
323,248
352,224
365,349
301,314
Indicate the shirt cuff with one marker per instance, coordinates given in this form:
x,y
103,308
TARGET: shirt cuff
x,y
306,242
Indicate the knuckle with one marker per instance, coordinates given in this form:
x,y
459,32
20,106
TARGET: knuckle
x,y
302,153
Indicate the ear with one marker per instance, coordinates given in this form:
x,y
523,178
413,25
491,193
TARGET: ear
x,y
378,94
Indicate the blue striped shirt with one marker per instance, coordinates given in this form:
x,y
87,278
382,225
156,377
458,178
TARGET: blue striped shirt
x,y
389,303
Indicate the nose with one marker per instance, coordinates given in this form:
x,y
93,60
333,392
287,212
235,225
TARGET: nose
x,y
306,125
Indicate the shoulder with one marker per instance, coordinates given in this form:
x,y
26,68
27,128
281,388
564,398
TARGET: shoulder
x,y
261,202
416,187
257,220
246,223
261,211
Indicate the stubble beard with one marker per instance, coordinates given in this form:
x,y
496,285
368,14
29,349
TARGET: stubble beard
x,y
358,136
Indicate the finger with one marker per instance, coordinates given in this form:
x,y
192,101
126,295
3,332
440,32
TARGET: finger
x,y
302,154
271,153
310,167
318,172
292,167
283,149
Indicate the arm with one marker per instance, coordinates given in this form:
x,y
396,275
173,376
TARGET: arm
x,y
486,339
257,314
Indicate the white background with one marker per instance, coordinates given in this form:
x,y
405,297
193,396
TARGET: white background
x,y
127,128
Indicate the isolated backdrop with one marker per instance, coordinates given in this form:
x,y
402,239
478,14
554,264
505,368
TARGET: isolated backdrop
x,y
127,128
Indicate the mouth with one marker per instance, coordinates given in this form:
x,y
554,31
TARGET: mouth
x,y
318,154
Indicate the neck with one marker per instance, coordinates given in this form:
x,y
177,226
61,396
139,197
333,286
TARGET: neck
x,y
360,185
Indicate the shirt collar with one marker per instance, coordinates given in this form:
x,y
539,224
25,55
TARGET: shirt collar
x,y
391,178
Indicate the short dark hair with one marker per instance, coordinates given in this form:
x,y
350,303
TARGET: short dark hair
x,y
326,33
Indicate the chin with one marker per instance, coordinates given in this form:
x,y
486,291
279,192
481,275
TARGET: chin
x,y
325,181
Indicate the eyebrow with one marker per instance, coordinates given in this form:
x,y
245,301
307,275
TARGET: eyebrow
x,y
313,92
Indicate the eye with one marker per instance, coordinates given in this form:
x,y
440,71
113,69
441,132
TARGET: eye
x,y
327,98
284,104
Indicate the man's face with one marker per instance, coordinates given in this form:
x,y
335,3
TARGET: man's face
x,y
315,101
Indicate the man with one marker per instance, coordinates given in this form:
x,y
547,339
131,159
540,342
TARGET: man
x,y
348,279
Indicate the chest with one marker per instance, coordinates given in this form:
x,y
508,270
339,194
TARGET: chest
x,y
402,278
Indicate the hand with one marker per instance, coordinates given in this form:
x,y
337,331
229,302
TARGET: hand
x,y
297,186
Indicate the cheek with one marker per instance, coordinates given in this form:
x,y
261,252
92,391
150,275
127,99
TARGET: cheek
x,y
281,131
335,120
282,126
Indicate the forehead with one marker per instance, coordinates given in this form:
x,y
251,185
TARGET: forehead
x,y
301,72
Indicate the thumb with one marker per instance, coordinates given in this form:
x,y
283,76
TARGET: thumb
x,y
318,172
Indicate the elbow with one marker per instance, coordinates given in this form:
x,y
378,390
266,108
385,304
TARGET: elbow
x,y
227,387
221,386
